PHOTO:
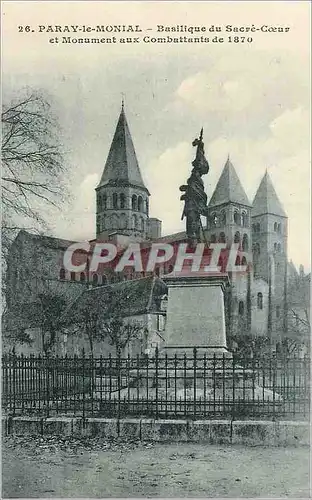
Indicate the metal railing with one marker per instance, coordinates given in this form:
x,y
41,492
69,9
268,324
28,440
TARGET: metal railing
x,y
165,386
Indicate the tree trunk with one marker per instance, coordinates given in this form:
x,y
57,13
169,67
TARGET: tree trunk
x,y
91,344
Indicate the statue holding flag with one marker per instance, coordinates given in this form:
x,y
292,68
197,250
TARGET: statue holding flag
x,y
195,198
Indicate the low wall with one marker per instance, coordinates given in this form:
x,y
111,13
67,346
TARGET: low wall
x,y
246,432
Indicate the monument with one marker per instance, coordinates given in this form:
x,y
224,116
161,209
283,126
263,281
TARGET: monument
x,y
194,367
195,313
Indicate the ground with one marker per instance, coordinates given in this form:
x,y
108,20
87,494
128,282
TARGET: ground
x,y
50,467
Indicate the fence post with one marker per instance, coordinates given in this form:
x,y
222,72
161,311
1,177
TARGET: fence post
x,y
233,388
194,378
166,386
21,379
92,378
14,380
185,381
118,382
147,385
214,383
306,392
175,384
47,384
156,377
138,380
83,383
274,386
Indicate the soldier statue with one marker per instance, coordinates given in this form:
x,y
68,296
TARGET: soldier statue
x,y
195,198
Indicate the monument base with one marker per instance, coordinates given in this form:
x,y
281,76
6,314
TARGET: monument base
x,y
195,314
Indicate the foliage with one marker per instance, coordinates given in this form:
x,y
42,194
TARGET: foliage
x,y
19,336
107,322
44,312
51,308
32,164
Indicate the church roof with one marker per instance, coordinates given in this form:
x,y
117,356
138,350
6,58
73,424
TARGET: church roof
x,y
228,188
122,166
266,200
42,240
171,238
133,297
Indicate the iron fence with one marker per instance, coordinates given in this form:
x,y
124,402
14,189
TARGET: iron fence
x,y
201,386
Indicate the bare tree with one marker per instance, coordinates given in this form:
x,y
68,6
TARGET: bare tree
x,y
88,321
45,312
32,164
103,322
120,332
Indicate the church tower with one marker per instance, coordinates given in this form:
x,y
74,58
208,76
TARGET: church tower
x,y
228,218
228,222
122,199
269,236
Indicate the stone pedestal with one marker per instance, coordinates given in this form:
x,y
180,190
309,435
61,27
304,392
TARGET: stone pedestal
x,y
195,314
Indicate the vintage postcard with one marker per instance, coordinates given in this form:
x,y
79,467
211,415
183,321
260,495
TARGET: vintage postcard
x,y
156,249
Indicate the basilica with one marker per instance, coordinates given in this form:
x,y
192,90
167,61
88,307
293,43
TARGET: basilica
x,y
258,302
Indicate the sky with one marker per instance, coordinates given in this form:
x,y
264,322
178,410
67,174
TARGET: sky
x,y
251,98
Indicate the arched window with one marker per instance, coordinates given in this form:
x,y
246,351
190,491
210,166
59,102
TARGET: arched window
x,y
237,237
245,243
140,204
279,227
241,308
146,205
122,221
82,277
244,219
236,217
134,202
257,249
104,201
275,227
244,261
115,200
237,261
62,274
114,221
279,248
260,300
72,276
213,238
122,200
222,238
95,279
223,218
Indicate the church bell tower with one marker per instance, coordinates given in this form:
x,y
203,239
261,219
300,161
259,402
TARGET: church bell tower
x,y
122,199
